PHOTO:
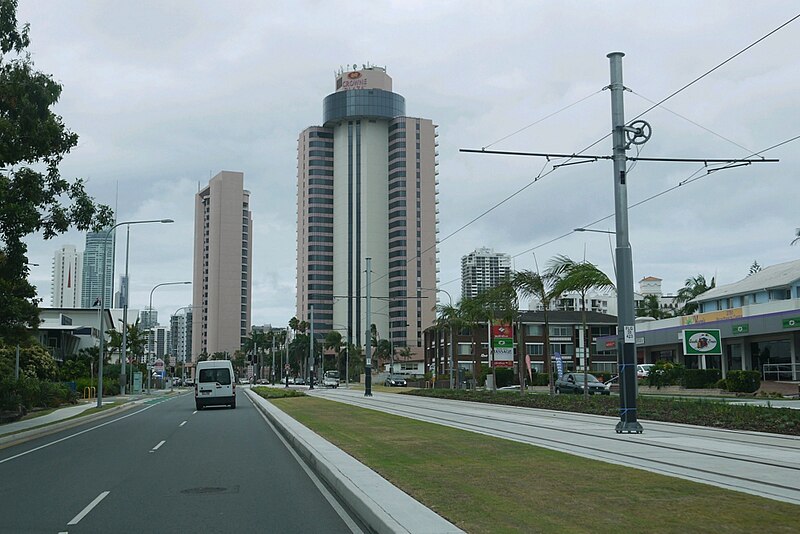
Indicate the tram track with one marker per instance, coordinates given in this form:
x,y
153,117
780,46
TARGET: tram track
x,y
729,468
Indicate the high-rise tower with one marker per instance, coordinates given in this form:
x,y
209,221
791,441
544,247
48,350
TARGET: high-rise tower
x,y
93,287
483,269
223,230
67,278
367,189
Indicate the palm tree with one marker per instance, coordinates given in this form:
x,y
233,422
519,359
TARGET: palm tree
x,y
796,236
472,315
499,303
530,284
651,307
333,341
580,277
449,318
695,286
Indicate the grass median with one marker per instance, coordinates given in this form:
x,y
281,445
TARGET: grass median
x,y
485,484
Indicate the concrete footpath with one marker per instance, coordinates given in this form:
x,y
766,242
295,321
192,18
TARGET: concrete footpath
x,y
64,418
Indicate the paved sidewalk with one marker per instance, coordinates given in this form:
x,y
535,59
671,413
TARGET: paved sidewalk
x,y
64,413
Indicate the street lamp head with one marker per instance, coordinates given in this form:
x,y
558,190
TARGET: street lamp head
x,y
166,221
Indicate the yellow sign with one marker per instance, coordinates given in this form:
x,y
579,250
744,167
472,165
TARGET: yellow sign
x,y
708,317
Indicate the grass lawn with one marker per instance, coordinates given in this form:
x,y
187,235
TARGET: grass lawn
x,y
485,484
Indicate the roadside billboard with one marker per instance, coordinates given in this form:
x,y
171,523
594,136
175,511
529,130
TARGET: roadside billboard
x,y
700,342
503,344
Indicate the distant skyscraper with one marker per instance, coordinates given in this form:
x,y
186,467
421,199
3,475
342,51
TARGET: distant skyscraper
x,y
148,319
181,329
67,278
481,270
223,230
93,286
119,296
366,187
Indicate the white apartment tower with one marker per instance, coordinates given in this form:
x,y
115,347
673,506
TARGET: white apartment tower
x,y
223,230
366,188
67,278
483,269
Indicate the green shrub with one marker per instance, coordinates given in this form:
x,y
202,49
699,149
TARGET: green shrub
x,y
504,376
539,379
721,384
665,373
743,381
278,393
701,378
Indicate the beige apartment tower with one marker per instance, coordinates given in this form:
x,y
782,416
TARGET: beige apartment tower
x,y
223,230
366,188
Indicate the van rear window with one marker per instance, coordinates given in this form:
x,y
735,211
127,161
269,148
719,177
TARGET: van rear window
x,y
221,375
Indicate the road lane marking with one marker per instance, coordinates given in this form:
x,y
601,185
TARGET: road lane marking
x,y
337,507
88,508
182,423
194,412
74,435
154,449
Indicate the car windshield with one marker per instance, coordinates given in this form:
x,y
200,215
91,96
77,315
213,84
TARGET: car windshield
x,y
590,378
331,374
397,377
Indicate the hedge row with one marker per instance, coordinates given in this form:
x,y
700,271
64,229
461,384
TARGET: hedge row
x,y
22,395
701,412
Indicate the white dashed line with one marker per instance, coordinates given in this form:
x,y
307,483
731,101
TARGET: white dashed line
x,y
154,449
182,423
88,508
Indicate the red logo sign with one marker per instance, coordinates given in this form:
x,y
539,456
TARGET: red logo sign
x,y
353,75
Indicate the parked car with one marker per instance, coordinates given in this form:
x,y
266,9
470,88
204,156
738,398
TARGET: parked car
x,y
643,370
299,380
395,380
573,383
188,382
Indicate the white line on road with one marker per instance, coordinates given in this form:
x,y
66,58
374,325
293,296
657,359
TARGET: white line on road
x,y
74,435
194,412
182,423
88,508
337,507
154,449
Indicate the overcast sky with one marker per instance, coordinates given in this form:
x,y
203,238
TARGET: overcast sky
x,y
165,94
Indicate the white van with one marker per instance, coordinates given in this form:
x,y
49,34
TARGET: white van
x,y
214,384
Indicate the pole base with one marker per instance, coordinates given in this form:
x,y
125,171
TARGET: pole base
x,y
367,393
629,427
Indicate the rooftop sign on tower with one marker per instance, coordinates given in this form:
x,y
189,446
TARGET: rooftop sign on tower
x,y
366,78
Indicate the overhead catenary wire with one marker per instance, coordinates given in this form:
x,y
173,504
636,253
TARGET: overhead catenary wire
x,y
553,114
693,177
542,175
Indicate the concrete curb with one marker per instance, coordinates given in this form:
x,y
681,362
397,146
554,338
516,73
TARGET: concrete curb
x,y
379,504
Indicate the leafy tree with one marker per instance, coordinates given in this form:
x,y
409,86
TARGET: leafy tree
x,y
35,198
34,361
695,286
580,277
333,341
542,287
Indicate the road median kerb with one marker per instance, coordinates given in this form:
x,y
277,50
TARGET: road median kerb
x,y
379,504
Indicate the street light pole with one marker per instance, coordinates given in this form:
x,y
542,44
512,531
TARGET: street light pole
x,y
150,320
368,334
626,337
103,299
311,351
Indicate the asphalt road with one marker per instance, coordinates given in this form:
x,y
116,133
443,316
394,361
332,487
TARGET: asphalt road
x,y
164,467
